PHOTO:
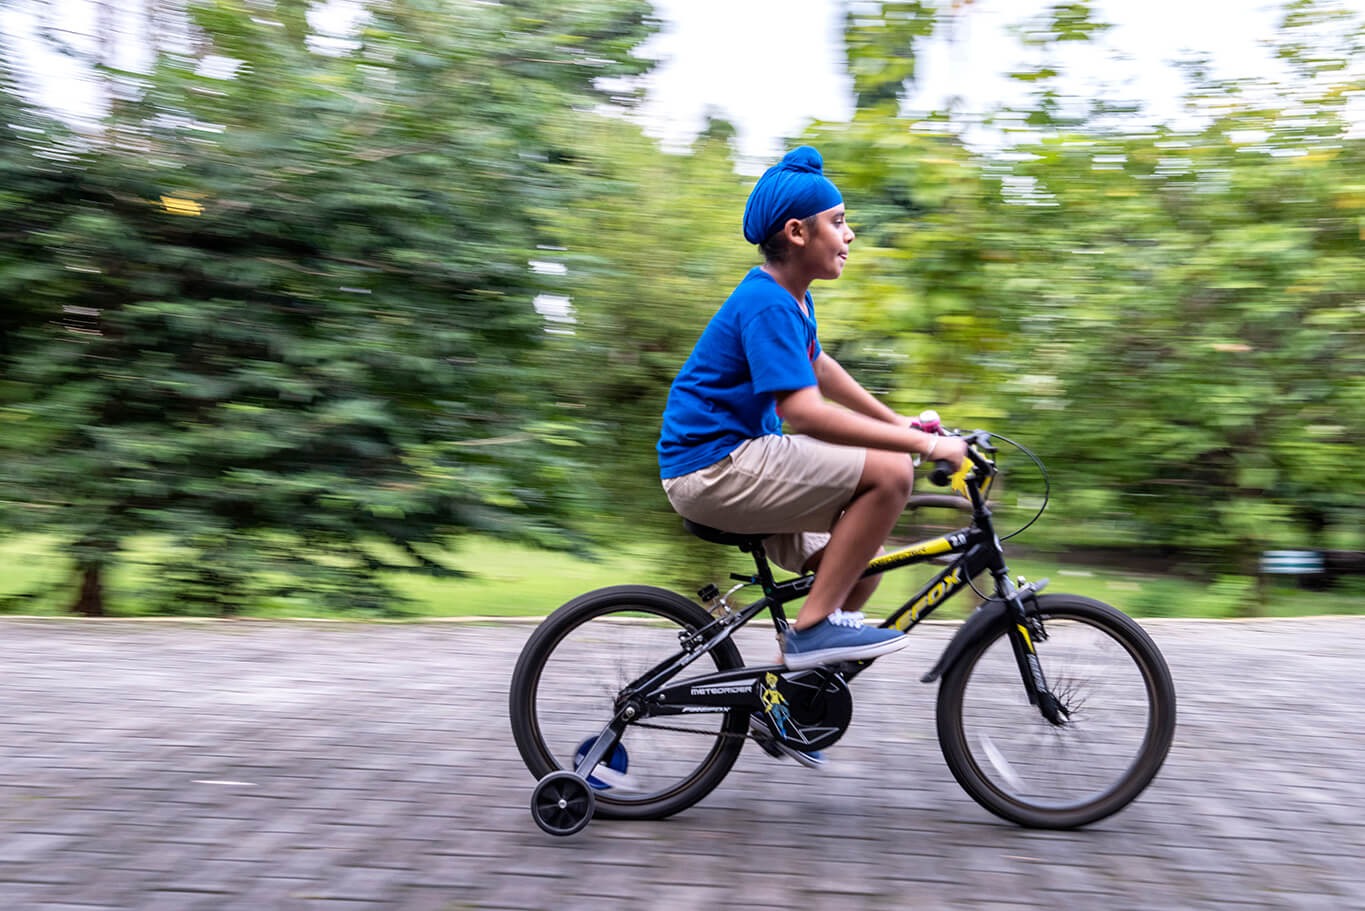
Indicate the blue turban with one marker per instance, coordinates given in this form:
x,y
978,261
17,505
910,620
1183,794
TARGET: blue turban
x,y
795,187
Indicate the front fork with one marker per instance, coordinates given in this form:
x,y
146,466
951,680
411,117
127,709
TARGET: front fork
x,y
1023,629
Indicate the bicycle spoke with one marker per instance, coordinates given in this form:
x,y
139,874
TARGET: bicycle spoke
x,y
1107,702
1001,764
1118,713
567,687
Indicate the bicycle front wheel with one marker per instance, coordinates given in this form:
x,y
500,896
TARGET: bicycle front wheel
x,y
1118,706
564,692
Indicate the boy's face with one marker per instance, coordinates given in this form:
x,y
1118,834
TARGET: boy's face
x,y
826,248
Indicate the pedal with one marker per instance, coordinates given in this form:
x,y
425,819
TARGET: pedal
x,y
769,746
763,736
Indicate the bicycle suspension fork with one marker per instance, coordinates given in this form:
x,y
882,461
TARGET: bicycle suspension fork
x,y
1022,630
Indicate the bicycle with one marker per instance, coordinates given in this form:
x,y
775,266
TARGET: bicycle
x,y
1054,711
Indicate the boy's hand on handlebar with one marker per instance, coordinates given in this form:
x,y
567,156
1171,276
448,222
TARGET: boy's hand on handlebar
x,y
951,450
948,450
943,450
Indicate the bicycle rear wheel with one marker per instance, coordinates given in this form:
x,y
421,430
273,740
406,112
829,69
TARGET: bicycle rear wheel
x,y
564,690
1120,702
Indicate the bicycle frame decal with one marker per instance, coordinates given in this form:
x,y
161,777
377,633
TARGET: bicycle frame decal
x,y
931,548
1035,669
942,587
774,704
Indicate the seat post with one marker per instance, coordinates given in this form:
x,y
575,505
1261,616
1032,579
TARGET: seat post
x,y
763,569
764,572
751,544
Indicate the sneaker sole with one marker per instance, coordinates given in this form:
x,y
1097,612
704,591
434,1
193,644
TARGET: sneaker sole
x,y
801,662
776,749
805,759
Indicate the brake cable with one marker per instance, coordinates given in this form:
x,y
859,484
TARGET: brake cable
x,y
1047,494
1042,471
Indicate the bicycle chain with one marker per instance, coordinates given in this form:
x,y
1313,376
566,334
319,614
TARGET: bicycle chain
x,y
748,735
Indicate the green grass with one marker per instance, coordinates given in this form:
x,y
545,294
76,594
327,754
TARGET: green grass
x,y
510,581
27,564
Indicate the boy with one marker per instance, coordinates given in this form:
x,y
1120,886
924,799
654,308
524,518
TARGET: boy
x,y
834,487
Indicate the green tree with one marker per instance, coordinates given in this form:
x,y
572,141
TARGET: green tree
x,y
33,189
653,247
1171,318
311,350
879,47
1197,292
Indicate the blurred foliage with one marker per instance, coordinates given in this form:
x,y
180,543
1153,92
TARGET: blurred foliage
x,y
1194,320
282,317
879,47
649,253
311,318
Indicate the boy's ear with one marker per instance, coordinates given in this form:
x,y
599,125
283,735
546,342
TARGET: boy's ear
x,y
795,231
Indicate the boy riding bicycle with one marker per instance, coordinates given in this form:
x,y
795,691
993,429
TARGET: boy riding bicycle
x,y
831,491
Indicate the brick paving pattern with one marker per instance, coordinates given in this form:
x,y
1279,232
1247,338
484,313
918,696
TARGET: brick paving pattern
x,y
176,766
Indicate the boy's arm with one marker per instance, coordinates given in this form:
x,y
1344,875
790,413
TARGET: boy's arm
x,y
806,411
837,385
867,423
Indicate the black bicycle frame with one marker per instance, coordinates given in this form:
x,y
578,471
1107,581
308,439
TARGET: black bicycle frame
x,y
979,551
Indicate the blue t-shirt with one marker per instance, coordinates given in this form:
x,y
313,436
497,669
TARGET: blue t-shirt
x,y
758,344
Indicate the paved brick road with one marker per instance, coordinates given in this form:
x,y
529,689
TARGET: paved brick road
x,y
274,766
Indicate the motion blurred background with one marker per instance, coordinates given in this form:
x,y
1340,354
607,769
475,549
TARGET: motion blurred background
x,y
371,308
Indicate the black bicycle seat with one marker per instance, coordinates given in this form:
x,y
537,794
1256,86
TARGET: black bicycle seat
x,y
716,536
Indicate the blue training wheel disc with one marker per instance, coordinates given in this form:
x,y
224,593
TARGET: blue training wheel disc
x,y
616,762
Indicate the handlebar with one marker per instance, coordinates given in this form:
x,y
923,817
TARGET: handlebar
x,y
974,480
942,473
978,445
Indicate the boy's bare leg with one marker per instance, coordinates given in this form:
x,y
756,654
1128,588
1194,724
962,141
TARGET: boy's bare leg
x,y
882,492
862,590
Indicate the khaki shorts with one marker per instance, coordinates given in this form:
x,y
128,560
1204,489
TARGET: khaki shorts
x,y
788,486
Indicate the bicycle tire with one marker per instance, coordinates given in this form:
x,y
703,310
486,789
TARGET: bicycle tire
x,y
1114,681
558,696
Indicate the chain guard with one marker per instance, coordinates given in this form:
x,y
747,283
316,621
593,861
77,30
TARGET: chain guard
x,y
806,710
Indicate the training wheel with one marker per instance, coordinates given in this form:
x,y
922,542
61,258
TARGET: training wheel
x,y
562,803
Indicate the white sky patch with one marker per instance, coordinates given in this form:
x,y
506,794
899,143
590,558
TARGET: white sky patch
x,y
556,308
216,66
335,23
768,66
773,66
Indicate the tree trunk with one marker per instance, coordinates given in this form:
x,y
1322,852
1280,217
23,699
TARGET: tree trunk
x,y
90,601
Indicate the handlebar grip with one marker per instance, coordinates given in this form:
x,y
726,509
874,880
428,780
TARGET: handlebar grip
x,y
942,474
